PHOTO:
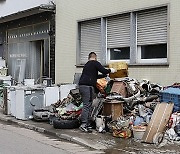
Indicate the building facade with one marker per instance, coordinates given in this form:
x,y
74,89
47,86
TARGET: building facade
x,y
27,38
141,32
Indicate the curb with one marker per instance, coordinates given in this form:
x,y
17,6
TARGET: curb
x,y
66,137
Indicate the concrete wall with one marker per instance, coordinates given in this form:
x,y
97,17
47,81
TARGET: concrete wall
x,y
69,11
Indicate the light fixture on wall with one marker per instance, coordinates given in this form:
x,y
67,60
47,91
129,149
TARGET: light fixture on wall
x,y
48,7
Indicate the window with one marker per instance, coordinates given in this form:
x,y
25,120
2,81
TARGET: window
x,y
90,39
118,37
119,53
29,46
153,51
136,37
152,35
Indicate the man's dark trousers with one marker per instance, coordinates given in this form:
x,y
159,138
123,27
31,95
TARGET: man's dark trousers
x,y
87,93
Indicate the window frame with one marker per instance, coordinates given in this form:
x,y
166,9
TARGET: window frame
x,y
110,61
149,61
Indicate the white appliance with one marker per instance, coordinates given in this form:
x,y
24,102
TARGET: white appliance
x,y
28,99
6,79
29,82
11,97
64,90
51,95
8,101
2,62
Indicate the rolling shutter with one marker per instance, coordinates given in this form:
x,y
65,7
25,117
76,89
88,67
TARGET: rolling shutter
x,y
118,31
152,26
90,39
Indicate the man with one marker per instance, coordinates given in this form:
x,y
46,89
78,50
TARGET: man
x,y
87,85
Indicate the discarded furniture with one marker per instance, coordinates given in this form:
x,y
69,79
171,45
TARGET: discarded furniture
x,y
156,127
113,108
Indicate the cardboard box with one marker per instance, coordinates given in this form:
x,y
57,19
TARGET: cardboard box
x,y
113,108
119,65
156,127
119,74
122,69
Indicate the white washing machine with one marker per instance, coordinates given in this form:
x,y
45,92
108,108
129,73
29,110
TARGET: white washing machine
x,y
64,90
51,95
9,100
11,95
28,99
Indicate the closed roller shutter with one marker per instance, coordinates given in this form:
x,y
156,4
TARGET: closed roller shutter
x,y
152,26
118,31
90,39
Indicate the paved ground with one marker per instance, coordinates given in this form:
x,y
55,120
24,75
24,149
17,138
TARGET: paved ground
x,y
97,141
15,140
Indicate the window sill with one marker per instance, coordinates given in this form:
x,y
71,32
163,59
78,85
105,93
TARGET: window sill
x,y
79,65
133,65
149,64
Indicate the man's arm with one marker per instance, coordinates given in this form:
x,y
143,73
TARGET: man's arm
x,y
101,76
101,69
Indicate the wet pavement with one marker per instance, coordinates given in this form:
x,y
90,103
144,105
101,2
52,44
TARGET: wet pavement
x,y
136,147
104,142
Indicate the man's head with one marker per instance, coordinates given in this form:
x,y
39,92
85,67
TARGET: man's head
x,y
92,56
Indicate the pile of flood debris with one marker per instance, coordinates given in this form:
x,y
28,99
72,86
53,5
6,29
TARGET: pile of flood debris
x,y
124,107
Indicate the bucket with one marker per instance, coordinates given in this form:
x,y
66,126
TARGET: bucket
x,y
138,131
100,123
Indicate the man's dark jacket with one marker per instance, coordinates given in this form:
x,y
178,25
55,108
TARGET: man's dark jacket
x,y
90,73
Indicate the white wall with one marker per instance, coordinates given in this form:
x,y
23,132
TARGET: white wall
x,y
8,7
69,11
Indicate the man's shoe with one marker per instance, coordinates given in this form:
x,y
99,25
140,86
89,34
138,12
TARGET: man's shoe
x,y
85,129
90,127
